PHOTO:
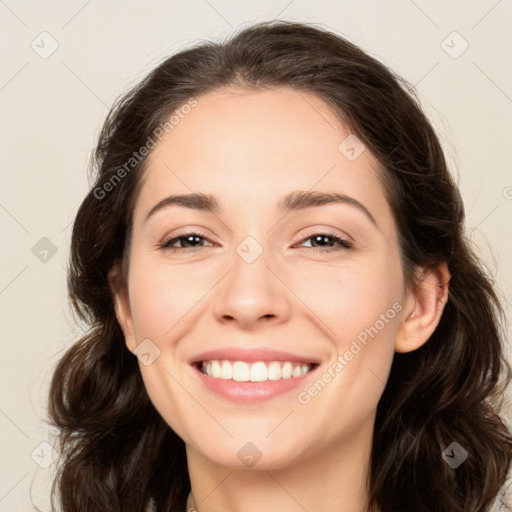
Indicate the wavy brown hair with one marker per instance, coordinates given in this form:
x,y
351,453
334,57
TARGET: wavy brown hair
x,y
118,454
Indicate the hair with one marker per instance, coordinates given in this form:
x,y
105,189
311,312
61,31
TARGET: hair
x,y
116,451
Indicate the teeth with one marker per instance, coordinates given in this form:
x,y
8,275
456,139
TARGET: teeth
x,y
297,371
274,371
260,371
215,369
241,371
226,371
286,370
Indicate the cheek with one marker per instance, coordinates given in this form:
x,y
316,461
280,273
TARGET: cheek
x,y
353,299
359,308
360,312
367,312
163,302
161,297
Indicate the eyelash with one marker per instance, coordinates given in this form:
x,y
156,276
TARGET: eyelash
x,y
344,244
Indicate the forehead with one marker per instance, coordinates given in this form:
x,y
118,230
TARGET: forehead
x,y
254,146
237,124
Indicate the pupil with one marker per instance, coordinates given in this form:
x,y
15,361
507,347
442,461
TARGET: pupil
x,y
190,239
321,238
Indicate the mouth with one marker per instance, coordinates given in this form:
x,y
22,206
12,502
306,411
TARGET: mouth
x,y
252,381
258,371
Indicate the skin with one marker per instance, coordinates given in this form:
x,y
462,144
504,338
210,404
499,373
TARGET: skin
x,y
249,148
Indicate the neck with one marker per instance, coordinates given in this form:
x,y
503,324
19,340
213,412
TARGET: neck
x,y
334,480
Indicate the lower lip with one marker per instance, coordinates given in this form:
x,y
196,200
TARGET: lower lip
x,y
251,391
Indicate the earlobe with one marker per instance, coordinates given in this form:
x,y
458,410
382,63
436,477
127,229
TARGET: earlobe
x,y
424,308
122,306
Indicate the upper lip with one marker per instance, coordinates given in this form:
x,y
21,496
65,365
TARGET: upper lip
x,y
252,355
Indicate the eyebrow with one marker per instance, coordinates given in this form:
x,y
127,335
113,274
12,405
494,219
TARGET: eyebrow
x,y
294,201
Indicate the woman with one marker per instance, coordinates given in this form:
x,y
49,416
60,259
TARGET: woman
x,y
284,311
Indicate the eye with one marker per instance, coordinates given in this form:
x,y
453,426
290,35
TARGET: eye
x,y
327,242
192,241
187,239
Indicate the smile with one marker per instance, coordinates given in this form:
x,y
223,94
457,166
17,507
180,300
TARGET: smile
x,y
259,371
252,382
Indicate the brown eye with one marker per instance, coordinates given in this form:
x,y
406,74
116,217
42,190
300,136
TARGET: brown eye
x,y
325,242
188,241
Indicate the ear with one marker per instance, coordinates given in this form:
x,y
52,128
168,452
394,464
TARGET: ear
x,y
122,305
423,309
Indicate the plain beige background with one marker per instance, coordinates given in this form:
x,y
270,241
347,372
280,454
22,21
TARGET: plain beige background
x,y
64,63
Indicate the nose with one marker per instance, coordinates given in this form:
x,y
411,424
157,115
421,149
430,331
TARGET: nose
x,y
252,294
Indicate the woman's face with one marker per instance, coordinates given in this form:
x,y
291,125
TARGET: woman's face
x,y
292,283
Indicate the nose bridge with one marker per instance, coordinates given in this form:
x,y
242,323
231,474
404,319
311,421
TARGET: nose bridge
x,y
251,291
